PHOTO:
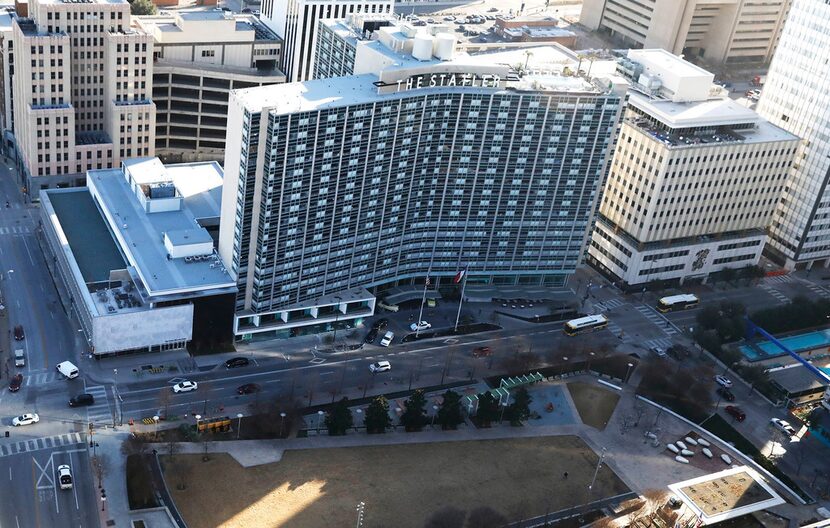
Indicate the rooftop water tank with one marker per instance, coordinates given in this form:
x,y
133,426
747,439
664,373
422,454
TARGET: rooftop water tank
x,y
422,47
444,46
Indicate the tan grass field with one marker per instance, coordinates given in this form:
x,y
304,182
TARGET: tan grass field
x,y
594,404
401,485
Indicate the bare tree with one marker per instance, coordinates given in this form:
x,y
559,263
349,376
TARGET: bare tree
x,y
134,445
626,423
100,463
207,438
640,409
173,448
182,472
164,402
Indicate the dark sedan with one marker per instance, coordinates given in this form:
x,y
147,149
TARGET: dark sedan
x,y
248,388
237,362
371,336
15,383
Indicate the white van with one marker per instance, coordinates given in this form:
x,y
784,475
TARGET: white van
x,y
387,339
19,358
67,369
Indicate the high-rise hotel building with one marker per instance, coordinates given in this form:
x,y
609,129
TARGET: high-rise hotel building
x,y
295,21
796,97
82,88
337,189
693,181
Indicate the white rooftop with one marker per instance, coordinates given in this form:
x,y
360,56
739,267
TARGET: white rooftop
x,y
141,235
545,65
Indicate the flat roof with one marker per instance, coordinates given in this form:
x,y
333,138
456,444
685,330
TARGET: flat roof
x,y
796,378
88,236
714,112
336,92
660,58
727,494
201,189
141,235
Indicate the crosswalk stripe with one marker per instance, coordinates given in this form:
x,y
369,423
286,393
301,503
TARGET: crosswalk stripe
x,y
775,293
37,444
656,319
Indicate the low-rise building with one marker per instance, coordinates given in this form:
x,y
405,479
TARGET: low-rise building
x,y
694,180
198,58
134,256
534,29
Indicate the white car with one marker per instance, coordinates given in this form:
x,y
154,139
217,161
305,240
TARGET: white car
x,y
387,339
26,419
65,476
185,386
380,366
783,426
659,352
723,381
423,325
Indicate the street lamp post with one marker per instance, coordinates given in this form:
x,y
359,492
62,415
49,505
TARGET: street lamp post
x,y
596,470
238,425
156,422
434,413
503,407
628,372
398,411
359,414
319,420
282,422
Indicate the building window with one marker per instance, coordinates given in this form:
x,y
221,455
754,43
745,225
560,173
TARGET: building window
x,y
208,53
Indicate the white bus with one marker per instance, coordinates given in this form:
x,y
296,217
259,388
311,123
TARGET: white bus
x,y
585,324
677,302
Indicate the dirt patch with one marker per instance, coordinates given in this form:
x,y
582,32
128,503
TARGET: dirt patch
x,y
401,485
594,404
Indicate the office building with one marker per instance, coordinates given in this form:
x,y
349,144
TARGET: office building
x,y
295,21
7,14
133,256
719,32
338,189
81,90
694,179
796,97
199,57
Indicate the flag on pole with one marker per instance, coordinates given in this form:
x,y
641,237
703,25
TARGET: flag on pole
x,y
460,276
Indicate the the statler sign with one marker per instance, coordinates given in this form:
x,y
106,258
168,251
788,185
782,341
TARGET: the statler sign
x,y
432,80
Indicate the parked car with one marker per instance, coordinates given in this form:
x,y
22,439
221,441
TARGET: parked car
x,y
783,426
493,10
726,394
237,362
18,333
449,18
246,10
482,351
659,352
380,366
185,386
371,336
735,412
380,324
723,381
19,358
248,388
387,339
423,325
26,419
82,400
65,476
15,383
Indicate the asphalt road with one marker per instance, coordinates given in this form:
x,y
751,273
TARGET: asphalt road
x,y
28,496
32,495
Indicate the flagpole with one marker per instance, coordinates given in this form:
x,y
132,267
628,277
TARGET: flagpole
x,y
461,301
421,311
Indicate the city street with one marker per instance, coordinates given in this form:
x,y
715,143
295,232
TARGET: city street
x,y
31,454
